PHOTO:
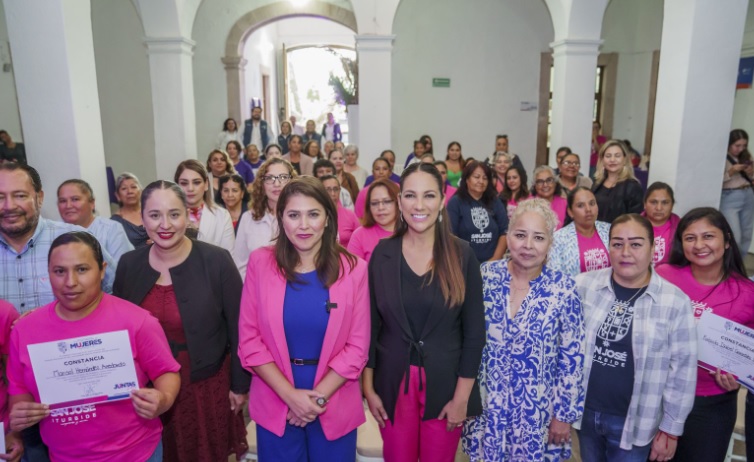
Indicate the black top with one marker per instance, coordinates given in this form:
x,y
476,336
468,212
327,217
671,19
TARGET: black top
x,y
450,341
611,381
625,197
17,154
417,298
207,288
136,234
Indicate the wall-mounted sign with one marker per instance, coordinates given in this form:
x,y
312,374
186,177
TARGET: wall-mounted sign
x,y
441,82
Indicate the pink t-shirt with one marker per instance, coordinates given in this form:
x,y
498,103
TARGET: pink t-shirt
x,y
364,240
359,207
101,431
664,239
449,192
592,253
8,314
559,206
732,299
347,224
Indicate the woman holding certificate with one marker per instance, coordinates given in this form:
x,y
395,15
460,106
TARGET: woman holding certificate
x,y
194,290
304,333
93,431
706,264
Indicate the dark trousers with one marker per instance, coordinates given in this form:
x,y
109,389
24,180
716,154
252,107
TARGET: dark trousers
x,y
749,421
708,429
34,449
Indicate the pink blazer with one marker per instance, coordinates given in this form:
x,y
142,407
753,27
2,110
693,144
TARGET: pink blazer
x,y
345,348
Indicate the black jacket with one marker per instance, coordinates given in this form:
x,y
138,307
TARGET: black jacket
x,y
208,291
451,342
625,197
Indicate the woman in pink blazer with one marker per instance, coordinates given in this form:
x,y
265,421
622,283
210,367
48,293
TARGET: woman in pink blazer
x,y
304,333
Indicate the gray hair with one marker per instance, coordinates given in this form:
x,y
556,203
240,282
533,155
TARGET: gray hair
x,y
126,176
540,207
544,168
351,148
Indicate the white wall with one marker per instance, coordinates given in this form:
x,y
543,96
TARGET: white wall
x,y
491,53
9,117
211,27
260,52
633,29
743,109
124,89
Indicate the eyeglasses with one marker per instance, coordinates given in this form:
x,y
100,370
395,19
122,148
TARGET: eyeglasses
x,y
571,163
333,189
383,202
283,178
550,180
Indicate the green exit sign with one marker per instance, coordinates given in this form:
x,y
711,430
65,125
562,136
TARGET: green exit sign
x,y
441,82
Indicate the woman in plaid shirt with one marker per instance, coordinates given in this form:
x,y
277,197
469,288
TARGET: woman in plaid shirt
x,y
640,359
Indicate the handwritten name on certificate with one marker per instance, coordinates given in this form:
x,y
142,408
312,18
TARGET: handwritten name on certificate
x,y
87,369
726,345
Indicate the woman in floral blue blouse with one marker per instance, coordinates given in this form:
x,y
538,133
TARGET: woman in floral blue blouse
x,y
531,374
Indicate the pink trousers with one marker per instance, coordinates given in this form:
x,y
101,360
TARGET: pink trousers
x,y
408,438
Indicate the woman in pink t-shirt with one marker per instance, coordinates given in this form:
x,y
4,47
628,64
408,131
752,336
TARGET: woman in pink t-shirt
x,y
347,221
449,190
127,429
582,245
515,189
706,264
658,208
379,219
8,315
546,187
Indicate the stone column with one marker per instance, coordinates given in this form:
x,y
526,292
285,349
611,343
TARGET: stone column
x,y
235,70
375,60
696,85
574,74
172,78
56,83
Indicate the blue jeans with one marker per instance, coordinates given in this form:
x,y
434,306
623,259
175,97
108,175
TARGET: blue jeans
x,y
157,454
599,440
737,205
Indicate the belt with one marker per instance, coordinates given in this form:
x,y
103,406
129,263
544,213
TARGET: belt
x,y
176,347
304,362
746,186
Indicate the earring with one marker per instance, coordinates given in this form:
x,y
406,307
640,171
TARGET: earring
x,y
439,217
401,216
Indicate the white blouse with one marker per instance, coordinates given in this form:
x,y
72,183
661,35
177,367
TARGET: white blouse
x,y
253,234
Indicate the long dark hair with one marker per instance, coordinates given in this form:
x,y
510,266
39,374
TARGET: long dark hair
x,y
198,168
523,190
490,194
740,134
446,251
733,263
329,258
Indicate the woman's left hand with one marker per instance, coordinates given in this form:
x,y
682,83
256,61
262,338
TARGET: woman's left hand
x,y
724,380
559,432
455,412
146,402
237,401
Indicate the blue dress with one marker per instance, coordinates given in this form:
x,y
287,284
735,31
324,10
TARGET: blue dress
x,y
531,369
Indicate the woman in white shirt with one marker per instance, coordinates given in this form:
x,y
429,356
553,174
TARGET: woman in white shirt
x,y
230,133
213,223
259,226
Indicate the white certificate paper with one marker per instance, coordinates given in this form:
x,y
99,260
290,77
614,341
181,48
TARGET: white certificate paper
x,y
87,369
726,345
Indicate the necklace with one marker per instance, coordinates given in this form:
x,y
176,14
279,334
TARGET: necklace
x,y
622,305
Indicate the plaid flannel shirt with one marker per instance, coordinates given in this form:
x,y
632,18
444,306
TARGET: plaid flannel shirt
x,y
24,281
664,344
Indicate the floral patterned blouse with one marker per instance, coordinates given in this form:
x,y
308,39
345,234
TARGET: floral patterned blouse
x,y
531,369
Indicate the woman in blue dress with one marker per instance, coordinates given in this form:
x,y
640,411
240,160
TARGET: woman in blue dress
x,y
531,374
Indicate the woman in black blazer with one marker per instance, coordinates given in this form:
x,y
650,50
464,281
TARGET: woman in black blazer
x,y
194,290
427,327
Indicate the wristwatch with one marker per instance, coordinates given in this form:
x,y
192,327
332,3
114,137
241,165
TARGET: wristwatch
x,y
321,402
